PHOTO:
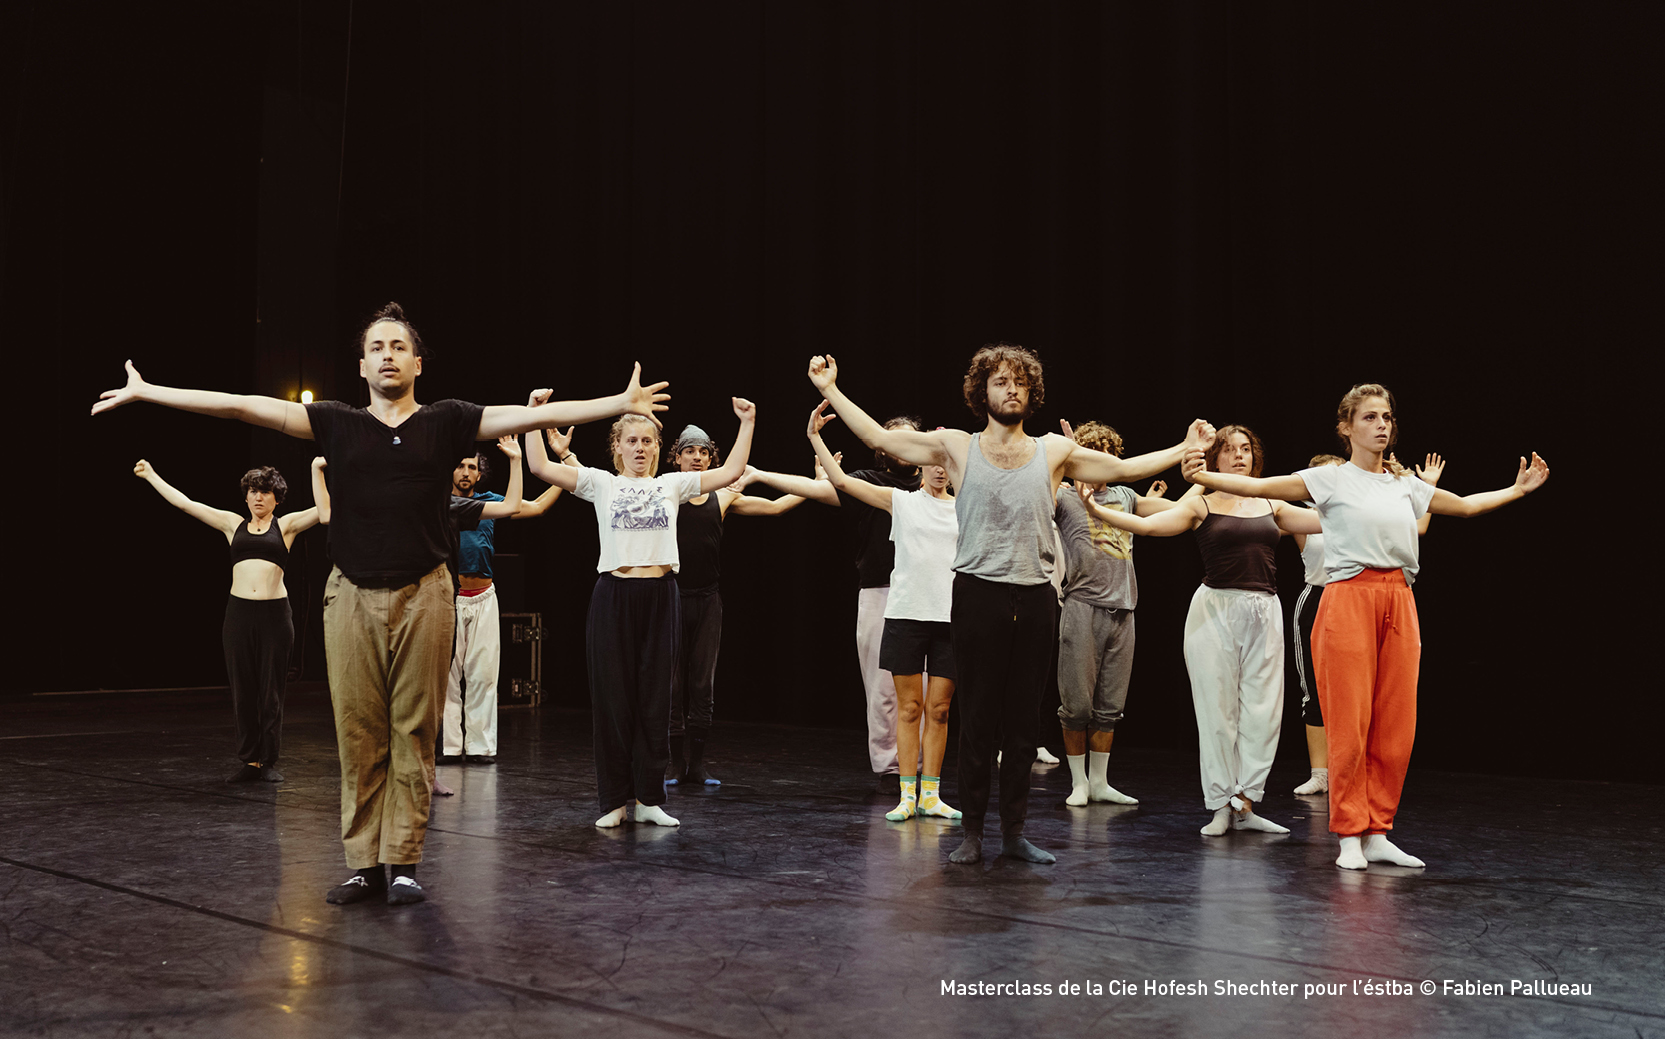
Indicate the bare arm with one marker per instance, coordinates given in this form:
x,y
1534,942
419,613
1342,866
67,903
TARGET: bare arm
x,y
909,445
1429,472
505,419
1165,523
222,521
320,490
746,505
285,416
860,490
735,464
1529,478
1086,465
801,486
1297,521
511,503
1278,488
563,476
293,524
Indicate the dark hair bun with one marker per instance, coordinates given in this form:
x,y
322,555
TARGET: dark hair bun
x,y
390,312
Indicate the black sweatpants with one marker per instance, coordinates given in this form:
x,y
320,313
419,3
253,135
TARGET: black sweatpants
x,y
630,646
696,663
257,638
1306,611
1003,639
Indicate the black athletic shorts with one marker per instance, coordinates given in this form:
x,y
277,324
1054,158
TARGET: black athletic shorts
x,y
912,647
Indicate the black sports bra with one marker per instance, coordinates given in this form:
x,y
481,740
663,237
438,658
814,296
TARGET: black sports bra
x,y
268,546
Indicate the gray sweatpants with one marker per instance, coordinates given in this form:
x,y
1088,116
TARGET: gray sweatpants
x,y
1095,664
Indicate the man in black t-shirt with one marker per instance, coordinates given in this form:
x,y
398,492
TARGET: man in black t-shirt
x,y
388,609
875,558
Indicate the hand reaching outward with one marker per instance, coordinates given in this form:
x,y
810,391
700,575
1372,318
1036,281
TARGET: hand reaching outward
x,y
1532,474
644,400
1430,470
1199,435
509,445
539,397
142,470
823,372
1086,491
744,410
1158,489
109,400
1069,430
1192,464
818,419
560,443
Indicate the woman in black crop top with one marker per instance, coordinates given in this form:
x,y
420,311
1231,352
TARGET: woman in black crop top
x,y
1234,630
258,629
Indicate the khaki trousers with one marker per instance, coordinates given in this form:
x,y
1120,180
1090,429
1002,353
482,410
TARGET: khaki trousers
x,y
389,651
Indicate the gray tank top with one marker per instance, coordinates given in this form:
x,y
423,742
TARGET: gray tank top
x,y
1005,518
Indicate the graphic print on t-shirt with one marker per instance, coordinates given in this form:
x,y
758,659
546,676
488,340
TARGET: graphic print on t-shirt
x,y
1112,541
640,508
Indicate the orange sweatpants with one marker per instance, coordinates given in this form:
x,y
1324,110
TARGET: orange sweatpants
x,y
1366,650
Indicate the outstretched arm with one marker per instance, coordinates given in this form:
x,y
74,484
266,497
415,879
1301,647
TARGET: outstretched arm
x,y
1528,478
746,505
503,419
320,490
1292,519
1165,523
909,445
222,521
563,476
1280,488
1086,465
860,490
735,464
285,416
511,503
791,483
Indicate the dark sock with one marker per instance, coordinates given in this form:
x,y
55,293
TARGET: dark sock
x,y
403,870
361,885
404,890
246,774
696,773
1018,848
969,851
679,762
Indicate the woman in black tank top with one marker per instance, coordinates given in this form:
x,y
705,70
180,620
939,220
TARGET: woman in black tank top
x,y
1234,630
258,631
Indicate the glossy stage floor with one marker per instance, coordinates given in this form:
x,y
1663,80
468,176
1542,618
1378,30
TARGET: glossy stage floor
x,y
143,896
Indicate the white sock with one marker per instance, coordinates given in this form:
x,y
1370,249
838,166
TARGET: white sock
x,y
1045,757
656,815
1248,820
1222,819
1318,783
1352,856
613,818
1377,848
1098,787
1078,780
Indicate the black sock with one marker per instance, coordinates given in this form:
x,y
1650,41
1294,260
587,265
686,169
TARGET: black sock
x,y
406,870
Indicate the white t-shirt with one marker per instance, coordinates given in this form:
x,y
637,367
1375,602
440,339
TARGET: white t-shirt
x,y
636,516
925,531
1369,518
1312,558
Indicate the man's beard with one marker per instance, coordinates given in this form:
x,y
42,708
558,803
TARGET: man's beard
x,y
1010,418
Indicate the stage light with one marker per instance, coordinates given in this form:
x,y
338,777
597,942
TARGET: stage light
x,y
306,396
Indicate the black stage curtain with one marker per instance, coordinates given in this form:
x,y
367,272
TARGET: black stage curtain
x,y
1231,211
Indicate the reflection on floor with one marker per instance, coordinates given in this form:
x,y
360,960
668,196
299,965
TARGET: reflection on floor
x,y
142,896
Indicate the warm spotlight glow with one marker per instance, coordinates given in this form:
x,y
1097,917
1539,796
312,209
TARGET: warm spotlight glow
x,y
306,396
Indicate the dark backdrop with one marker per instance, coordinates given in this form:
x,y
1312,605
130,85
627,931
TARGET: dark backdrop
x,y
1229,211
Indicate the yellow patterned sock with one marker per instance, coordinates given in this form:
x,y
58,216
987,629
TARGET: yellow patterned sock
x,y
910,794
930,803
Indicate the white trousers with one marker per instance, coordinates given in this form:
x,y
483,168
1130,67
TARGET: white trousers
x,y
881,690
1234,652
475,663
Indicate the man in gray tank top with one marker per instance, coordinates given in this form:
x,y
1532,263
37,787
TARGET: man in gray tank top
x,y
1002,617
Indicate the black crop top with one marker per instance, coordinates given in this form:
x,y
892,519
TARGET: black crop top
x,y
268,546
1237,552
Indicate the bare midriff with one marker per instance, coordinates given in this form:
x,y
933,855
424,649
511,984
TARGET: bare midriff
x,y
659,570
473,582
257,579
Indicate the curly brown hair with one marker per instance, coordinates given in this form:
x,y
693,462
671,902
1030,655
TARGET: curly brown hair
x,y
1099,437
990,359
267,479
1256,451
616,434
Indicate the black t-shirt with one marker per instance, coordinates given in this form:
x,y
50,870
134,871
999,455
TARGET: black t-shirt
x,y
875,552
390,487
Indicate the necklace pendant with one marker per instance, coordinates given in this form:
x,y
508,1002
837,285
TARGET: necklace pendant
x,y
395,441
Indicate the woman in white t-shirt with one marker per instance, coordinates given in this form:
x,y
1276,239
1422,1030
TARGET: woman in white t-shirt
x,y
1367,645
634,623
915,641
